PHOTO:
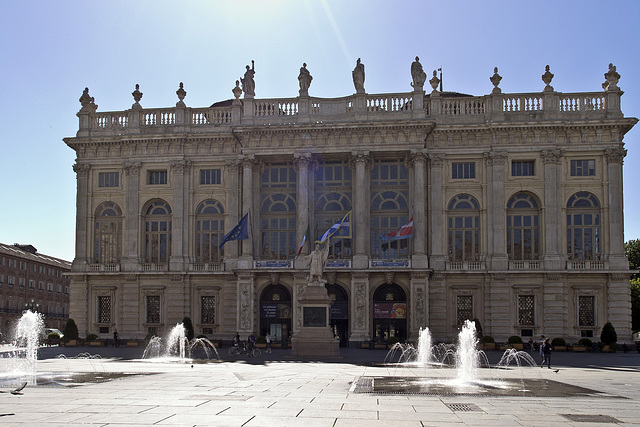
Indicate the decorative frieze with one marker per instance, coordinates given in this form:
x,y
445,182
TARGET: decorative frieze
x,y
551,157
132,168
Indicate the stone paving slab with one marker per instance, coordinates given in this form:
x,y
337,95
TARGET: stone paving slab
x,y
285,392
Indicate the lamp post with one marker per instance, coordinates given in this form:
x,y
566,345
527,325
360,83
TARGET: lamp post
x,y
31,305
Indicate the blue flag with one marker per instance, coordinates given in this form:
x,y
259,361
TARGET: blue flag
x,y
239,232
339,230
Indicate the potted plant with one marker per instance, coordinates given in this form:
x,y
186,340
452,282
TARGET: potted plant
x,y
582,345
93,340
70,333
515,342
559,344
488,343
261,342
609,338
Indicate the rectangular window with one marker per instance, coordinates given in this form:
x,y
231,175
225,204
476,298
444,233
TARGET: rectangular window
x,y
12,262
208,309
586,311
157,177
50,287
210,176
11,280
463,170
522,168
153,308
464,308
104,309
108,179
583,167
32,284
526,310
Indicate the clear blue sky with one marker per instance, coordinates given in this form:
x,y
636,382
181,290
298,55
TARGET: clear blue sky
x,y
52,50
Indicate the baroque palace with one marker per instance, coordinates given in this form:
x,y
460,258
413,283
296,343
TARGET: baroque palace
x,y
511,206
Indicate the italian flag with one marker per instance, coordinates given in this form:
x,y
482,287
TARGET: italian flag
x,y
307,236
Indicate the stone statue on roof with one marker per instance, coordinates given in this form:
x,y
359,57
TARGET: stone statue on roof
x,y
248,84
358,77
304,79
418,75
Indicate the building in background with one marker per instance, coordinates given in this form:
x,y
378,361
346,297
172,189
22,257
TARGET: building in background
x,y
32,281
506,208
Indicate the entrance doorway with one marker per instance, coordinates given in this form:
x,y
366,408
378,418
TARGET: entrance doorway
x,y
339,313
275,313
389,313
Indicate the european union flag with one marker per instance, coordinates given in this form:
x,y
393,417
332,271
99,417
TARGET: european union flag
x,y
239,232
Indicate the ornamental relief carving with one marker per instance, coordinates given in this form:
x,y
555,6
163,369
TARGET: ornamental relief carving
x,y
81,169
360,158
419,306
495,158
181,166
302,161
245,306
360,300
132,168
437,159
551,157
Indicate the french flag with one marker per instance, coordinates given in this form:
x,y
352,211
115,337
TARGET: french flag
x,y
404,232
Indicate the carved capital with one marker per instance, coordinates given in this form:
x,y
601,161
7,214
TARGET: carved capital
x,y
233,166
132,168
618,277
417,156
437,160
495,158
248,161
302,161
81,169
615,155
360,158
181,166
551,157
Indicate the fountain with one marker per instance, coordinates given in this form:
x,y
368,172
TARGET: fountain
x,y
176,347
24,348
468,362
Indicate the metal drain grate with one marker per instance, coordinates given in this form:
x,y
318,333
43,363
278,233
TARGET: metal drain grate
x,y
463,407
587,418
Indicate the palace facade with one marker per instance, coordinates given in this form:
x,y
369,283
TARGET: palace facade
x,y
516,203
33,281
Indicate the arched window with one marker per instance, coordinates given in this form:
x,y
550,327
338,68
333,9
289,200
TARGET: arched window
x,y
330,209
523,230
157,232
463,220
583,227
278,227
209,231
389,211
107,234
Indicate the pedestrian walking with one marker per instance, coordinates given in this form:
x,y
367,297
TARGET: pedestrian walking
x,y
116,341
540,346
268,339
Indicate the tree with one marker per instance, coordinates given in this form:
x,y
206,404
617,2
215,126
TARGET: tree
x,y
70,331
632,249
608,335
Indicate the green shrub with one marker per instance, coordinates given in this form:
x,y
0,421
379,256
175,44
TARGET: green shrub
x,y
608,335
70,331
188,328
585,342
558,342
514,339
487,339
261,340
392,340
53,336
92,337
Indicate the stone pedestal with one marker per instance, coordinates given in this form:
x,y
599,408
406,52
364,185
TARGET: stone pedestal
x,y
315,339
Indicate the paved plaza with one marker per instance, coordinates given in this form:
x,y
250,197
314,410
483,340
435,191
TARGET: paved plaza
x,y
277,390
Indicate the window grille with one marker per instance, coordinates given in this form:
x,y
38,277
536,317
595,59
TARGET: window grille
x,y
526,310
464,309
586,312
208,309
153,309
104,309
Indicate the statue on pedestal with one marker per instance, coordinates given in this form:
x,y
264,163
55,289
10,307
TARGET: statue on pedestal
x,y
418,75
318,262
248,84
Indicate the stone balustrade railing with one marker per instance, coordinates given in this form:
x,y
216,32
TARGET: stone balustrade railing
x,y
442,108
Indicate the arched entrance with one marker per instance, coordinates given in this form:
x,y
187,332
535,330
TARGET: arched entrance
x,y
275,312
389,313
339,312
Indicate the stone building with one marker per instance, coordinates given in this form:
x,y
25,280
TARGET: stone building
x,y
515,202
31,280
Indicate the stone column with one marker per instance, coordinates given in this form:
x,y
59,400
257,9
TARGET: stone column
x,y
79,303
497,211
360,308
82,207
438,318
419,259
132,215
304,194
619,306
180,170
436,213
361,162
233,205
553,221
616,254
248,162
554,320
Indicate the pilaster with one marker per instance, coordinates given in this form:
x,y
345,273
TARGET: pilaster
x,y
360,308
436,212
418,161
553,257
361,163
82,223
617,257
130,260
180,170
619,306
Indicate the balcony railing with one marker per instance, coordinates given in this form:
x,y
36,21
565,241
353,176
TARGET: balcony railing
x,y
586,265
465,265
525,265
213,266
154,267
104,267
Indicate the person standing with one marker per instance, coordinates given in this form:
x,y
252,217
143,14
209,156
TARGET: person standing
x,y
546,350
268,339
540,346
251,341
116,341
